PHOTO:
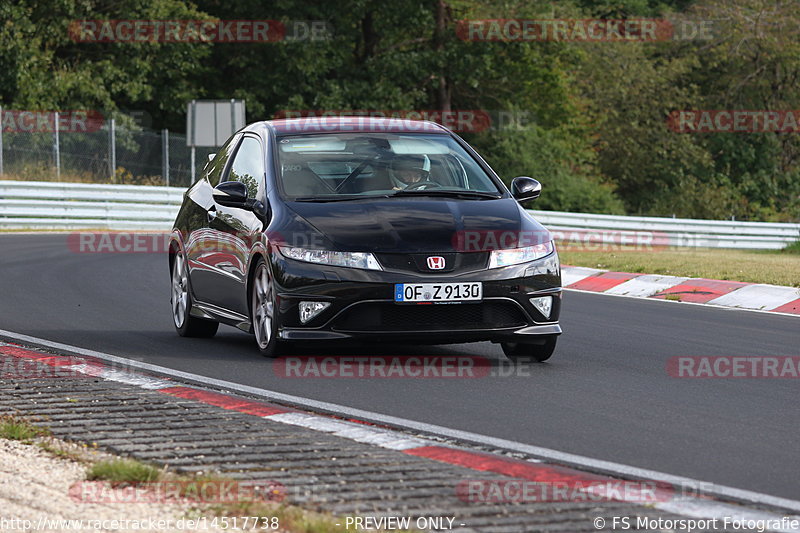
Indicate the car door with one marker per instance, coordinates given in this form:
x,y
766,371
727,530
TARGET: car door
x,y
234,229
200,244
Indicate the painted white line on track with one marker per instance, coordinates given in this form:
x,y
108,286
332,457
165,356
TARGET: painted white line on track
x,y
755,297
597,465
644,286
385,438
699,508
758,296
570,275
664,300
120,376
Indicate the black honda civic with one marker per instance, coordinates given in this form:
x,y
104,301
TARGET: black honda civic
x,y
321,229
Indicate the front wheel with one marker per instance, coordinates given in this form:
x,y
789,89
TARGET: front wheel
x,y
262,311
539,351
185,324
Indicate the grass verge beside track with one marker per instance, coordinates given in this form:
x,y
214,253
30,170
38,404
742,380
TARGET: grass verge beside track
x,y
122,473
753,266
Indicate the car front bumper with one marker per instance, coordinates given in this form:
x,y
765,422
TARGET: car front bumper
x,y
362,304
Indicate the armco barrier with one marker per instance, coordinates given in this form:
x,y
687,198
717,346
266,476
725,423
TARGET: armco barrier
x,y
46,205
680,231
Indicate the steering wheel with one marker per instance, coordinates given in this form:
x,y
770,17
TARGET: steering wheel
x,y
423,185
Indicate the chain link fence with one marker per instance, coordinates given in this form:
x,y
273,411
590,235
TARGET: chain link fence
x,y
65,146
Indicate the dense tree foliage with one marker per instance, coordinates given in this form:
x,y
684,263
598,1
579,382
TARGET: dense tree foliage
x,y
589,118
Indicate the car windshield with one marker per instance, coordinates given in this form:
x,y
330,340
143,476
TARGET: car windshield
x,y
341,166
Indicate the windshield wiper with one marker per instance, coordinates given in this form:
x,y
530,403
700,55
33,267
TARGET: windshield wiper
x,y
338,198
418,192
447,193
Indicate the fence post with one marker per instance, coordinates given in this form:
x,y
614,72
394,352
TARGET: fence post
x,y
193,115
112,142
165,155
1,140
57,148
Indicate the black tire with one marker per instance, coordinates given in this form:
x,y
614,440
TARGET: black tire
x,y
538,351
181,303
263,306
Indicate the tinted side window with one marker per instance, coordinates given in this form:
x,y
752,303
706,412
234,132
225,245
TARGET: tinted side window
x,y
217,165
248,165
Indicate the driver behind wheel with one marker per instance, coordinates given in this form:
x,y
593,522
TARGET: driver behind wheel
x,y
407,170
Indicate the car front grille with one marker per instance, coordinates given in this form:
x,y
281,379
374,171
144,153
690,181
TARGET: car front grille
x,y
387,316
456,263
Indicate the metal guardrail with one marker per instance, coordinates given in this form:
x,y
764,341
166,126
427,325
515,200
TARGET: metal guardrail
x,y
65,206
684,232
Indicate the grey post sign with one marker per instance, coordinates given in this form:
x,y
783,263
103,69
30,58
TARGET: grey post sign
x,y
209,123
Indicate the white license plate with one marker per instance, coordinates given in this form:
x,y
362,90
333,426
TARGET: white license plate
x,y
437,292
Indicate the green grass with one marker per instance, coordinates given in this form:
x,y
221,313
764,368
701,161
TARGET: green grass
x,y
19,429
57,452
793,248
123,471
780,267
15,428
45,173
64,450
291,518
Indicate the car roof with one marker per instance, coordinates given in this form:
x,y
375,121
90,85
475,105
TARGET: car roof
x,y
350,124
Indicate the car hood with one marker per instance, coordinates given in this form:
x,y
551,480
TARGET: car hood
x,y
419,224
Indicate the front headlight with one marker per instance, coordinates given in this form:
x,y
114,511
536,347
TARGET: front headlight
x,y
515,256
327,257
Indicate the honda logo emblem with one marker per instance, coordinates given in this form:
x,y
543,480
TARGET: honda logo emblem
x,y
436,262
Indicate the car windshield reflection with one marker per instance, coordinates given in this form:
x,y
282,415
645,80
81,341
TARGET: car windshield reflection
x,y
348,166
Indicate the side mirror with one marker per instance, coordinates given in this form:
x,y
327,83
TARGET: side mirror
x,y
231,194
524,188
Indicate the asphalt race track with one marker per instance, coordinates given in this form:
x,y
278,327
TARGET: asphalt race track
x,y
605,394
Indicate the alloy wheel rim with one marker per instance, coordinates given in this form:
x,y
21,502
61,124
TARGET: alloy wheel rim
x,y
263,310
180,291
